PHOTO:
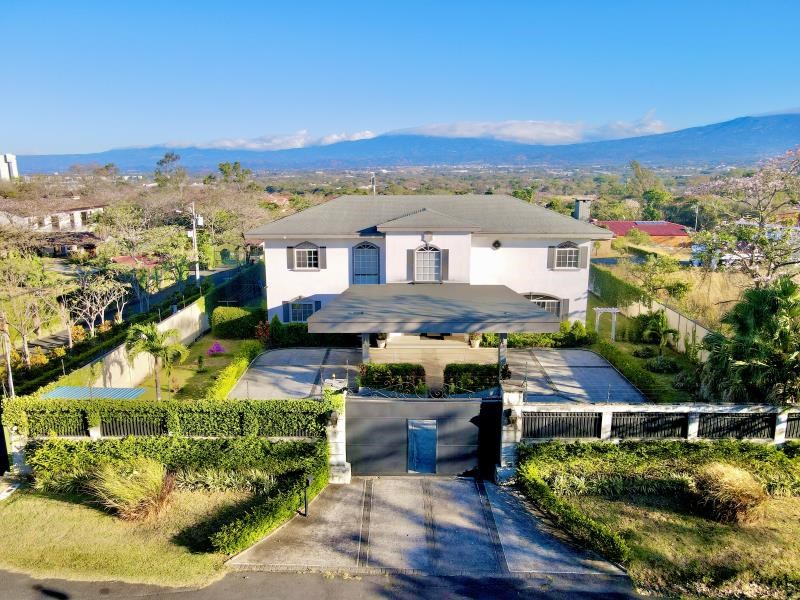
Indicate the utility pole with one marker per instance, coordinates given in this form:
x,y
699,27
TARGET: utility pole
x,y
696,213
194,247
6,339
372,183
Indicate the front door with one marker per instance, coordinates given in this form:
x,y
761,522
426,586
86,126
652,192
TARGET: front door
x,y
422,445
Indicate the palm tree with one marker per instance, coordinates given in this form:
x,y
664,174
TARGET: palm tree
x,y
658,329
150,340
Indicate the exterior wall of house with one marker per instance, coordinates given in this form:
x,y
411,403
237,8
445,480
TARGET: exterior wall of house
x,y
458,246
521,264
284,285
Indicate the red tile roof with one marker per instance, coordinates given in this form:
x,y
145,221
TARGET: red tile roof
x,y
656,228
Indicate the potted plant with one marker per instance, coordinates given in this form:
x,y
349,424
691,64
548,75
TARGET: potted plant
x,y
381,340
475,340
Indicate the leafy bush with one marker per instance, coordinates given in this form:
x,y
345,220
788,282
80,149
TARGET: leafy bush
x,y
285,335
391,375
662,364
642,379
687,380
133,490
471,376
233,322
645,352
227,377
66,465
729,494
568,336
262,333
210,479
589,532
615,290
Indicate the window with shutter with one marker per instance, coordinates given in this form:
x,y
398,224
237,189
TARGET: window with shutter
x,y
428,264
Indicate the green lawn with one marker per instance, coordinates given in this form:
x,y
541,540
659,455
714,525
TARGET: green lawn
x,y
677,553
47,536
188,382
668,393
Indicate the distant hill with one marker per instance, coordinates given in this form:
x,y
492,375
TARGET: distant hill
x,y
742,141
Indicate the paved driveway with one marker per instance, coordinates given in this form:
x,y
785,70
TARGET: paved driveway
x,y
417,525
294,372
570,376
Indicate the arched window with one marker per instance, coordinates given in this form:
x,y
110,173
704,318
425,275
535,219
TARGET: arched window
x,y
567,256
548,303
366,263
428,264
306,256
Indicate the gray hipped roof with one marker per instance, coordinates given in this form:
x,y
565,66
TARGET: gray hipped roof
x,y
369,215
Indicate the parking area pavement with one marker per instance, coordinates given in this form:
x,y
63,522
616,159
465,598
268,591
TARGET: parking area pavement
x,y
295,372
420,525
571,375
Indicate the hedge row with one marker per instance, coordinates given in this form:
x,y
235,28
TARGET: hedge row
x,y
614,290
241,288
391,375
471,376
266,418
59,464
589,532
568,336
283,335
228,376
647,383
235,323
276,508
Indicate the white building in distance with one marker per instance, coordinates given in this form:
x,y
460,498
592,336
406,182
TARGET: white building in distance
x,y
8,167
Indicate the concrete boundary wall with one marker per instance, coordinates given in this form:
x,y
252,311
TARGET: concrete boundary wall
x,y
114,370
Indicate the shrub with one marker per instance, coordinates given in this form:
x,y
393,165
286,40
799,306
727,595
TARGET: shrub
x,y
687,380
645,352
638,376
392,375
595,535
262,333
615,290
133,490
470,377
78,334
729,494
215,348
210,479
233,322
662,364
296,334
227,377
568,336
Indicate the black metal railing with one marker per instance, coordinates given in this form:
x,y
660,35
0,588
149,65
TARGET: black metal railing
x,y
542,425
645,425
739,426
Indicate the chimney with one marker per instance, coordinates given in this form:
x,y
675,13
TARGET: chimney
x,y
582,209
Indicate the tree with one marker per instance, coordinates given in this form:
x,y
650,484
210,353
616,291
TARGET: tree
x,y
654,275
642,180
148,339
761,359
95,293
173,252
169,174
655,202
764,244
657,329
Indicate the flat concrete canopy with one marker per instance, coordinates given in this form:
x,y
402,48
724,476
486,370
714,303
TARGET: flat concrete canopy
x,y
431,308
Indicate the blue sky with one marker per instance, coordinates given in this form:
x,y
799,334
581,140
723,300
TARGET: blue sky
x,y
87,76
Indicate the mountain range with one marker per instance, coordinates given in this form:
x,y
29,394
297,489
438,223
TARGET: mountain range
x,y
742,141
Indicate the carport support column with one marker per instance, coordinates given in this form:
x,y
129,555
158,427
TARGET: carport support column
x,y
365,347
510,434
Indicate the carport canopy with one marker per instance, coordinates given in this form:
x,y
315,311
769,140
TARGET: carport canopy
x,y
431,307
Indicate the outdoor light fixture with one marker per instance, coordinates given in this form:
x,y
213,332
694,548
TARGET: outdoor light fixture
x,y
496,244
309,481
334,419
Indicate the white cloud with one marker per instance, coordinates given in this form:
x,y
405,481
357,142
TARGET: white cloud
x,y
543,132
298,139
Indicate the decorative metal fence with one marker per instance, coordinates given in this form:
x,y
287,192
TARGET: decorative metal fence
x,y
718,426
644,425
793,427
132,425
543,425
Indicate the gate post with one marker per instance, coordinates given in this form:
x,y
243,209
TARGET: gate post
x,y
336,432
781,422
693,426
510,434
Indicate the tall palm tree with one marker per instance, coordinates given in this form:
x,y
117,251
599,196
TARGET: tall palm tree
x,y
158,344
658,329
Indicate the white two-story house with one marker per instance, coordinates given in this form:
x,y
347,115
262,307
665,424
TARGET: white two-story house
x,y
428,264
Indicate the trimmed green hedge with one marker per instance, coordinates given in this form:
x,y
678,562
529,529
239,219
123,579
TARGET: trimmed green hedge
x,y
471,376
389,375
277,508
589,532
241,288
58,464
614,290
228,376
568,336
267,418
235,323
284,335
641,378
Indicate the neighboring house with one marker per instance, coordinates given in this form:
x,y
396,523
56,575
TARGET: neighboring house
x,y
663,233
63,230
428,264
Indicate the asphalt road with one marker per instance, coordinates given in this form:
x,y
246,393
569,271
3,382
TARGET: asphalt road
x,y
320,586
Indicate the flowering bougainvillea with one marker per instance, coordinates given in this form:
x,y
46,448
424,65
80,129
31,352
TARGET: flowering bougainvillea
x,y
216,348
